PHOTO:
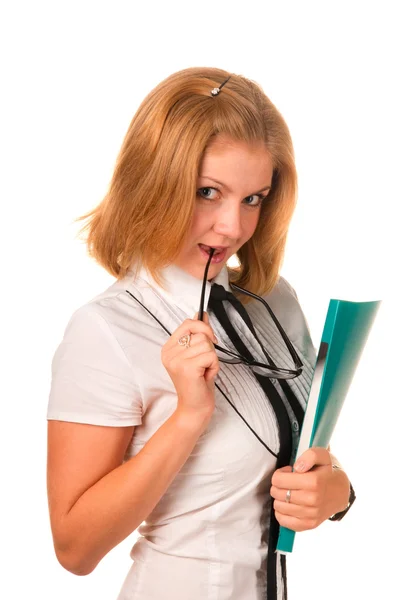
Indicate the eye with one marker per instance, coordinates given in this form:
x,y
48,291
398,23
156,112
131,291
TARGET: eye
x,y
259,198
254,201
202,192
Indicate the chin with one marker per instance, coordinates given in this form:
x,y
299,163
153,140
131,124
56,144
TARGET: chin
x,y
215,270
198,271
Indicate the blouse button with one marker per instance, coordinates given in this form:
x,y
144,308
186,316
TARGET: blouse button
x,y
295,426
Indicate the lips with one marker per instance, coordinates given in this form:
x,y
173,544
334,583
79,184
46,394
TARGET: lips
x,y
218,256
218,249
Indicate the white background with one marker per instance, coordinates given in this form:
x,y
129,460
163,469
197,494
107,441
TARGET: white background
x,y
73,74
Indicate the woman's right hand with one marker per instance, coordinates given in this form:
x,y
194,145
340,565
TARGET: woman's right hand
x,y
193,369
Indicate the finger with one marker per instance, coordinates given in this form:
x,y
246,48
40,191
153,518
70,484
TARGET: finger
x,y
286,469
212,371
299,511
191,326
299,481
299,497
206,317
198,338
198,341
196,348
312,457
197,364
178,356
296,524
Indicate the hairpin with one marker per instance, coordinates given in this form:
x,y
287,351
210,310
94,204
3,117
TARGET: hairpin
x,y
216,90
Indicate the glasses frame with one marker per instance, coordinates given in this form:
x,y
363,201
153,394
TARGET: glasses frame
x,y
276,372
289,373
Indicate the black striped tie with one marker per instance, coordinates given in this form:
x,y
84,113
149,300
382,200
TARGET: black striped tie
x,y
217,296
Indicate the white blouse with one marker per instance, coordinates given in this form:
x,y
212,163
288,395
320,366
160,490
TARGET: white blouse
x,y
205,539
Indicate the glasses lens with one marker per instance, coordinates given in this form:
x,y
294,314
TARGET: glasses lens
x,y
262,368
224,357
269,372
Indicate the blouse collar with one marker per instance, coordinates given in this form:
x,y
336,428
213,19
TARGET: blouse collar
x,y
182,289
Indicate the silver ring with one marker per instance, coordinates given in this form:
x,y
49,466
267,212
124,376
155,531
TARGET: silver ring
x,y
185,341
288,496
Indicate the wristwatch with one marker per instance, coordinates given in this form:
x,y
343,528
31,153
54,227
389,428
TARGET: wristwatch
x,y
352,497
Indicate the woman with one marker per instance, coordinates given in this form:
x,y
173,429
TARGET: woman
x,y
180,424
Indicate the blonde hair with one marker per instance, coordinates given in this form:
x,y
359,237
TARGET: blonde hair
x,y
148,208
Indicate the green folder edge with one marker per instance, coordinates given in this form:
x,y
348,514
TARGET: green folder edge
x,y
345,333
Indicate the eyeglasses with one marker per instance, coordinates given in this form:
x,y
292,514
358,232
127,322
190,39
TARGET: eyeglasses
x,y
230,357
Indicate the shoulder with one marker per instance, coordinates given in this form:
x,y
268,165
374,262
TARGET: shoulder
x,y
113,316
284,302
282,299
93,378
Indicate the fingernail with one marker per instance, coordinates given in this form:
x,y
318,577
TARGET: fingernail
x,y
300,466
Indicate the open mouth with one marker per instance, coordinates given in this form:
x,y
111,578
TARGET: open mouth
x,y
207,249
218,256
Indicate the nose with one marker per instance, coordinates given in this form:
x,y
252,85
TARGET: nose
x,y
228,222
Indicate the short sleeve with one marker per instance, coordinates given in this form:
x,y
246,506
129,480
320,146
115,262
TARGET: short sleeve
x,y
92,380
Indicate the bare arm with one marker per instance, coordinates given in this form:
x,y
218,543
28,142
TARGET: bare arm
x,y
95,501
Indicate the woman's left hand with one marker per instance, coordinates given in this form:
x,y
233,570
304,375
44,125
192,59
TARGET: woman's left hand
x,y
317,491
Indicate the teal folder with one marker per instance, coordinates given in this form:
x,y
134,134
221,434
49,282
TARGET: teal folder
x,y
345,333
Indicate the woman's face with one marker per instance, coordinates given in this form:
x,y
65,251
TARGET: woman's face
x,y
233,179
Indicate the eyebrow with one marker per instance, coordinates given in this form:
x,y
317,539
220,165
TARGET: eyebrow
x,y
267,187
